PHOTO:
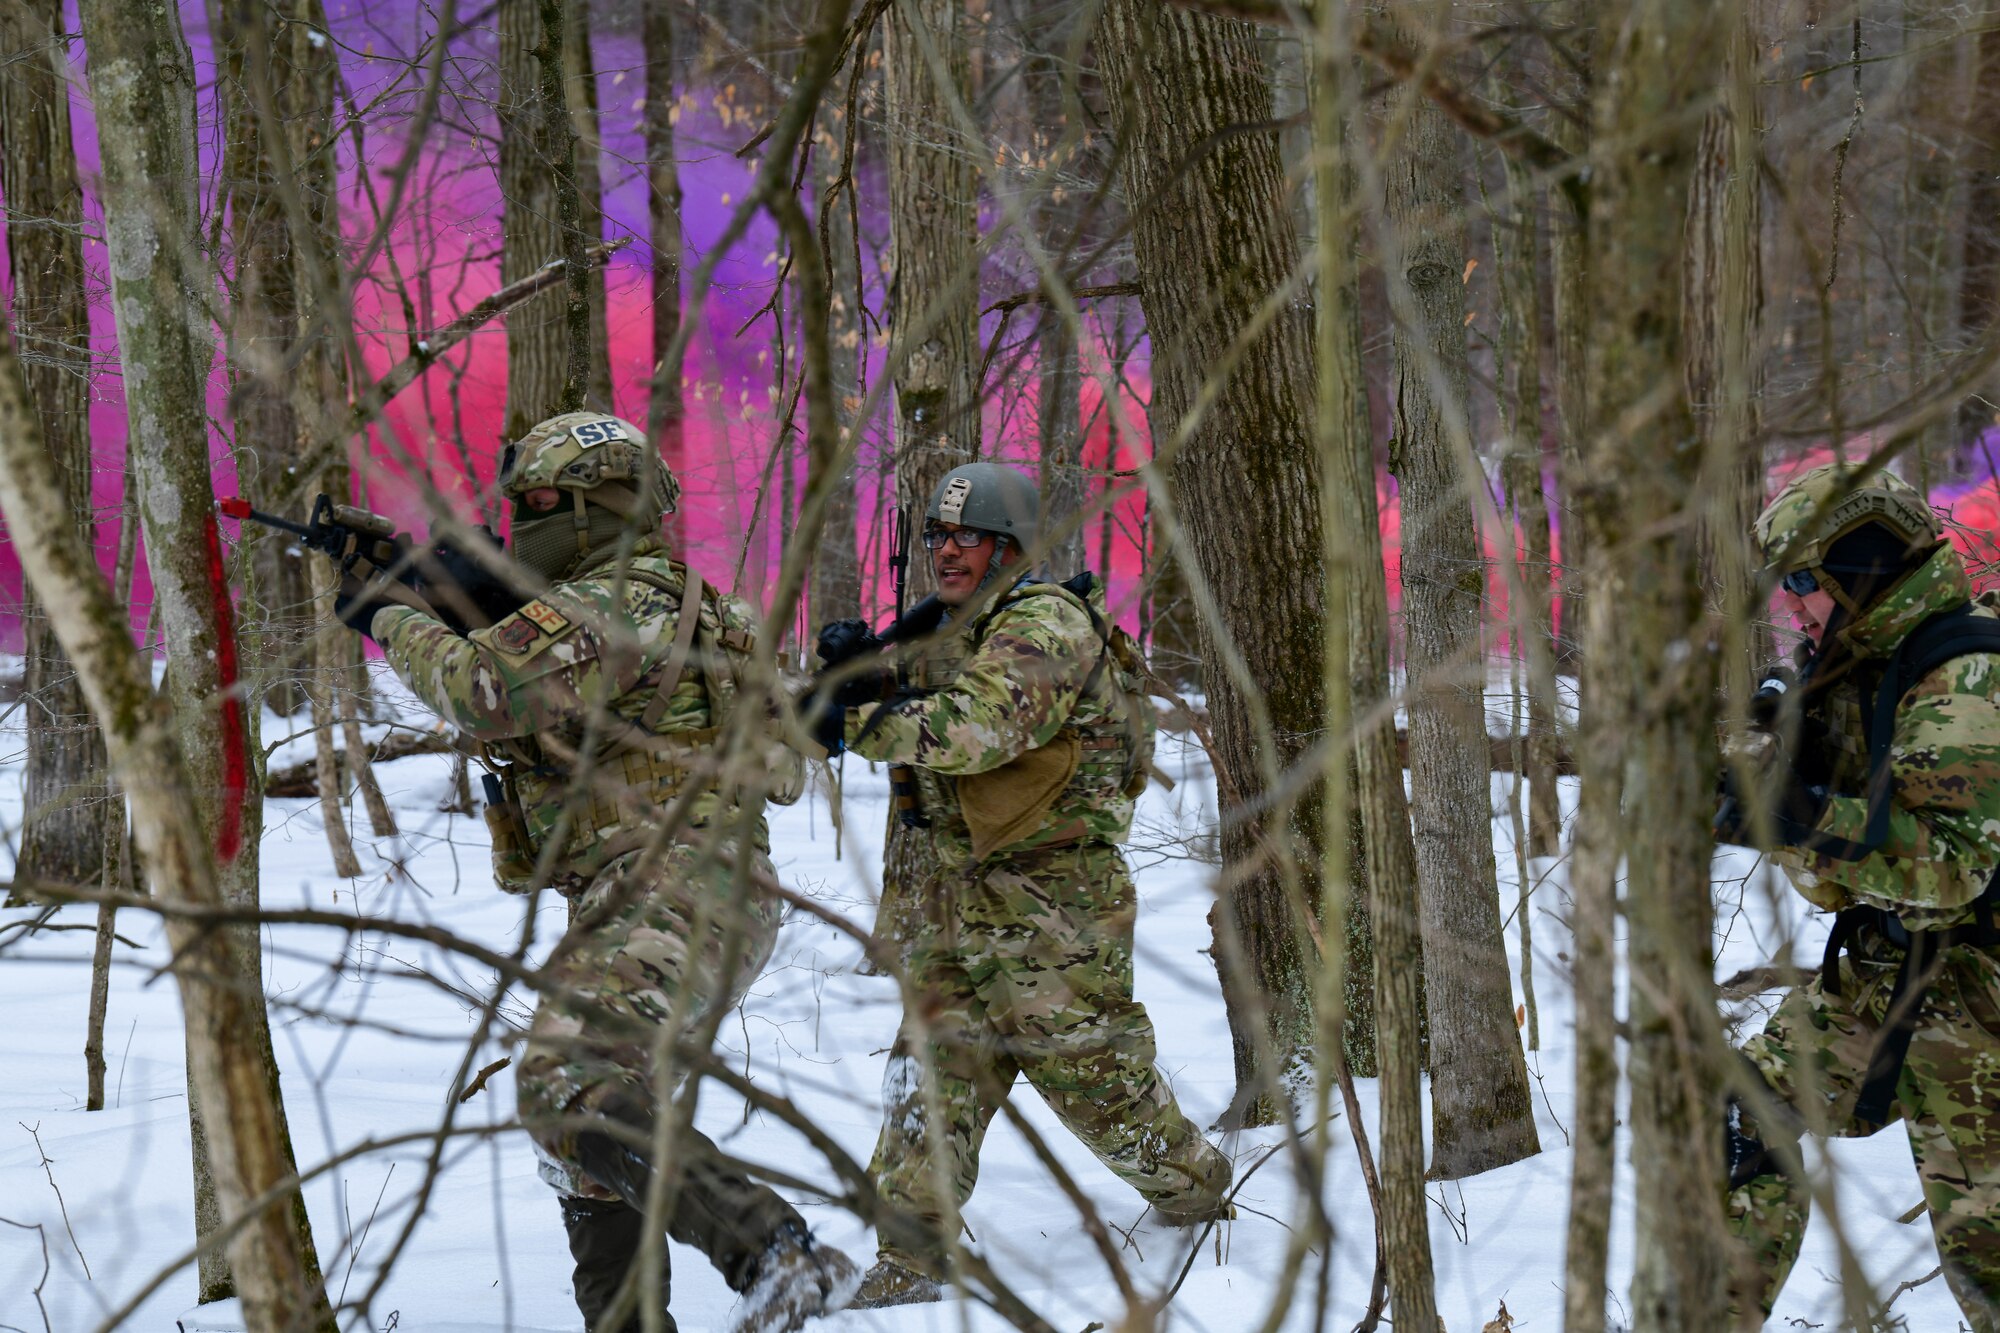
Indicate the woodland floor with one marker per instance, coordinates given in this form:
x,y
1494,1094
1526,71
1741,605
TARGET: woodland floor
x,y
369,1043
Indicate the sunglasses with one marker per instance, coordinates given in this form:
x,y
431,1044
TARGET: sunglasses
x,y
1799,582
935,538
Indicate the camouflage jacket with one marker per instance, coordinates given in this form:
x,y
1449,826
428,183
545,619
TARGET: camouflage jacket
x,y
573,673
1944,823
1031,671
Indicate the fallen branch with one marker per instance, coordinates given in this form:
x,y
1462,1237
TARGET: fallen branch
x,y
473,1088
1041,297
302,779
1756,980
430,348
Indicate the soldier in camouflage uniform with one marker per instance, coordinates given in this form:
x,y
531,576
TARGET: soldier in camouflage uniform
x,y
634,784
1031,740
1865,571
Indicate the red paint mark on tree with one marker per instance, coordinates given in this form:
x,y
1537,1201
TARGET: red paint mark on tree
x,y
235,762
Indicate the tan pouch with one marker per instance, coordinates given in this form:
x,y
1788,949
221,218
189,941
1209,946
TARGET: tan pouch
x,y
1007,804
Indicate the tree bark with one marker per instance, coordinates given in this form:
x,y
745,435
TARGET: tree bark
x,y
279,1279
1058,371
1482,1115
1723,305
580,92
934,327
1215,243
836,564
66,806
1979,284
666,409
142,84
1517,245
1569,273
540,215
934,267
1348,454
1643,477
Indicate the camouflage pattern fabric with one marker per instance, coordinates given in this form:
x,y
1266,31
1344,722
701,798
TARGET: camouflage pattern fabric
x,y
1942,845
1944,820
573,672
1023,963
1813,1053
563,685
669,953
1028,970
1006,682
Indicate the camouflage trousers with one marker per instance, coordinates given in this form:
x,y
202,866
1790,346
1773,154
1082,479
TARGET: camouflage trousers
x,y
1028,970
1814,1054
645,964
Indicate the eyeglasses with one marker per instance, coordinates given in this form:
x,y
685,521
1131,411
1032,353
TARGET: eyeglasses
x,y
935,538
1799,582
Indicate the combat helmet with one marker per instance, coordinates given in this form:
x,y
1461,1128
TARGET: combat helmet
x,y
1827,508
989,496
608,470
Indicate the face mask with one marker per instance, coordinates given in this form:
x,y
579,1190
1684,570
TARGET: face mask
x,y
546,543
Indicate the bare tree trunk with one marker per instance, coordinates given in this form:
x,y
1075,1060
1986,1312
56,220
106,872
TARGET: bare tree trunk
x,y
117,840
836,565
580,91
1058,374
66,808
1215,243
1482,1115
934,322
1393,914
1979,285
1933,122
279,1278
665,406
538,198
1516,245
1723,306
1569,276
934,282
1644,476
142,83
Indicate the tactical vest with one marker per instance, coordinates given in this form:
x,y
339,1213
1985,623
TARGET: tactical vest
x,y
1111,728
656,759
1958,632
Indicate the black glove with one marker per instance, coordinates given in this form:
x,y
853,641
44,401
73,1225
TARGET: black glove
x,y
1744,1154
1795,812
357,601
844,640
466,595
828,725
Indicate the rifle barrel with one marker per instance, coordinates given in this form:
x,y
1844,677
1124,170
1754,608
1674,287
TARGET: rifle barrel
x,y
237,507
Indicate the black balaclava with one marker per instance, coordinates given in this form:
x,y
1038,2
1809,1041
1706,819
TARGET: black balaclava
x,y
1871,560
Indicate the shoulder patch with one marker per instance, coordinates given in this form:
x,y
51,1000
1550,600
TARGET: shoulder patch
x,y
526,633
544,617
516,636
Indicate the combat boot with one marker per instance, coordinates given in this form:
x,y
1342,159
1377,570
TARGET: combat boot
x,y
1194,1213
889,1283
797,1279
605,1239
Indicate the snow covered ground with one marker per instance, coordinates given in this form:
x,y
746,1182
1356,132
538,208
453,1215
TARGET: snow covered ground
x,y
370,1032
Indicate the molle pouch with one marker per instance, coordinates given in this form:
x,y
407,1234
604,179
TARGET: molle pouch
x,y
1009,803
513,854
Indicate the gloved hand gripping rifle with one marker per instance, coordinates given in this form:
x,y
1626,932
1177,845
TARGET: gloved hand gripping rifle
x,y
457,588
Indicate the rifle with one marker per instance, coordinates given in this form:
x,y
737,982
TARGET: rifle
x,y
458,588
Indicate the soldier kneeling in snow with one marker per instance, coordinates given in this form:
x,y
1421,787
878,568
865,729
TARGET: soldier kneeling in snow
x,y
1886,811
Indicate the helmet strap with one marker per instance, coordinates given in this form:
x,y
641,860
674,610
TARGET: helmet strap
x,y
580,520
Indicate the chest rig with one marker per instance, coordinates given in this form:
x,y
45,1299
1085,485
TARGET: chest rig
x,y
1867,713
1109,733
654,750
